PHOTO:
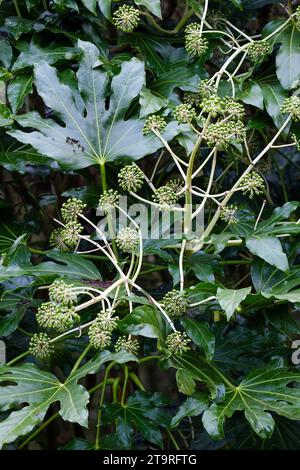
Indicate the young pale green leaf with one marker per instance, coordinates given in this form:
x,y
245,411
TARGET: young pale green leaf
x,y
185,382
200,334
262,391
230,299
39,389
269,249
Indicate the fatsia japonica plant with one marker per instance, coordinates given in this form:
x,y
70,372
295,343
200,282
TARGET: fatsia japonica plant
x,y
150,155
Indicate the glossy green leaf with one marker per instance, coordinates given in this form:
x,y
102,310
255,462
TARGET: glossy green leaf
x,y
269,249
18,90
200,334
288,58
151,5
192,406
185,382
230,299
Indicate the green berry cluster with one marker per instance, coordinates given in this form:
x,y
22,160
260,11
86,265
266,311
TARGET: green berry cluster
x,y
100,331
56,317
228,214
297,141
195,43
131,178
257,50
165,196
108,200
184,113
175,303
207,88
292,106
176,185
213,105
177,343
130,345
126,18
62,293
154,123
71,209
67,237
220,134
233,108
40,346
297,16
128,239
254,184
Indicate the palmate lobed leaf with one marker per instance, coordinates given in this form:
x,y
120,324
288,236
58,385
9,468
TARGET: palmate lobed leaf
x,y
39,389
262,391
92,133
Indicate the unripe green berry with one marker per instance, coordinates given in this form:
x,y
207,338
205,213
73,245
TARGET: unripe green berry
x,y
233,108
131,178
192,99
71,209
184,113
130,345
126,18
177,343
40,346
207,88
154,123
195,43
175,303
107,321
57,317
128,239
108,200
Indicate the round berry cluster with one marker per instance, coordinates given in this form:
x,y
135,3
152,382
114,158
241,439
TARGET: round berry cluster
x,y
292,106
258,50
253,184
177,343
165,196
100,332
130,345
131,178
195,43
184,113
108,200
128,239
154,123
228,214
67,237
126,18
175,303
40,346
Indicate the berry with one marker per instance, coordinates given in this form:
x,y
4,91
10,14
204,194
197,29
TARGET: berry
x,y
195,43
154,123
221,134
175,303
130,345
62,293
40,346
184,113
233,108
126,18
177,343
108,200
254,184
107,321
292,106
193,99
128,239
71,209
257,50
131,178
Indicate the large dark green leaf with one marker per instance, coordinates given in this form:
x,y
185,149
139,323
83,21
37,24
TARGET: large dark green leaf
x,y
79,144
39,389
262,391
145,321
201,335
288,57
